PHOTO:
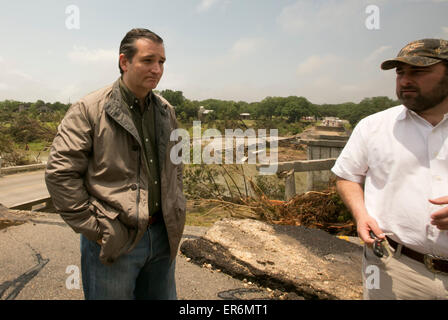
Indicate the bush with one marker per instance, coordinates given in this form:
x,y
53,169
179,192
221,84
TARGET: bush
x,y
271,187
200,182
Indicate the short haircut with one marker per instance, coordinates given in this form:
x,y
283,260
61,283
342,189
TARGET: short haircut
x,y
127,45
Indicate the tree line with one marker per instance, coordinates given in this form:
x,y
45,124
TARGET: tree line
x,y
290,109
25,122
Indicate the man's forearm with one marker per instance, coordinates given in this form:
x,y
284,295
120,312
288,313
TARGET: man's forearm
x,y
352,193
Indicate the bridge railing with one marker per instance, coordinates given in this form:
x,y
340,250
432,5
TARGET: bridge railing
x,y
39,204
16,169
288,169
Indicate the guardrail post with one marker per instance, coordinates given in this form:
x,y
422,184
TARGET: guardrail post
x,y
290,185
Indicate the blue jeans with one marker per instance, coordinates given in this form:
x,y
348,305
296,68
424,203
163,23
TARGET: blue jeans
x,y
144,273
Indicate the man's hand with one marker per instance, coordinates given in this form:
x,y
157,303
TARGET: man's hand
x,y
352,194
365,225
440,217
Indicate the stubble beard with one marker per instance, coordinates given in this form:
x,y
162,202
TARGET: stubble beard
x,y
421,103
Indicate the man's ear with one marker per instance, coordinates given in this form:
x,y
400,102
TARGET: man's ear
x,y
123,62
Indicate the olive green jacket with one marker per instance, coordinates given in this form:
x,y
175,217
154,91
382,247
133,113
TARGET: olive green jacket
x,y
97,176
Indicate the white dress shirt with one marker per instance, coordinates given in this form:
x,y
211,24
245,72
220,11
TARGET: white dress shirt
x,y
403,161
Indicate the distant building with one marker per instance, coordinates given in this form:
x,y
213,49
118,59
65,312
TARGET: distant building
x,y
22,108
309,118
332,122
245,116
203,113
43,109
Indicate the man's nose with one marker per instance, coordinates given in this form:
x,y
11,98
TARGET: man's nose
x,y
156,68
404,79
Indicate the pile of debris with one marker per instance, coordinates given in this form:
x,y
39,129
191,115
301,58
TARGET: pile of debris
x,y
10,218
321,210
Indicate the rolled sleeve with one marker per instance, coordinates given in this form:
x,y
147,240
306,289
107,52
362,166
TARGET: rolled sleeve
x,y
352,162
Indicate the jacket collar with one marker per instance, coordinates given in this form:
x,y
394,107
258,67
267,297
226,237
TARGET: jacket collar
x,y
118,110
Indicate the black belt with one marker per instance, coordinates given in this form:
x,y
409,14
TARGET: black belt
x,y
433,263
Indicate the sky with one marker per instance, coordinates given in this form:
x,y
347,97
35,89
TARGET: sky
x,y
328,51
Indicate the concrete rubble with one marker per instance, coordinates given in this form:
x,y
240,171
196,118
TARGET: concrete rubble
x,y
309,262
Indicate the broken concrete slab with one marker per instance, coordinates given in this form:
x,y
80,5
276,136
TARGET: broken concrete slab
x,y
309,262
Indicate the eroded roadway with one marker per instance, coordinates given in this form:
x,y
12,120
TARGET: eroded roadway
x,y
40,259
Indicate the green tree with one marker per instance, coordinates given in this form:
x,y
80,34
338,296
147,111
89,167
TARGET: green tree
x,y
175,98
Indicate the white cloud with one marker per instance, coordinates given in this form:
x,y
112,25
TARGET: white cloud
x,y
315,63
20,74
308,16
291,19
246,46
68,91
445,31
173,80
375,55
85,55
4,86
206,5
351,88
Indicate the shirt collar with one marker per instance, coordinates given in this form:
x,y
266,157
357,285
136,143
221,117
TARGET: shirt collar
x,y
405,113
129,98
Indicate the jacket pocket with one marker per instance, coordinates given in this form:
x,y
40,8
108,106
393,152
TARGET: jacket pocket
x,y
116,238
84,222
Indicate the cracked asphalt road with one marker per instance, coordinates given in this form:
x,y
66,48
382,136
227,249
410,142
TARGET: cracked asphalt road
x,y
40,258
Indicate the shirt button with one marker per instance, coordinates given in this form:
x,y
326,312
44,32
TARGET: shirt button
x,y
150,160
133,187
156,182
157,204
132,107
146,140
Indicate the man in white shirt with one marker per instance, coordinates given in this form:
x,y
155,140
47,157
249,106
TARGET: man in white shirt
x,y
393,176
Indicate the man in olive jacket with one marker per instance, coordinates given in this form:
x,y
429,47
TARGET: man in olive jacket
x,y
110,176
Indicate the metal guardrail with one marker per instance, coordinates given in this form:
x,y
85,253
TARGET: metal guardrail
x,y
39,204
29,167
303,165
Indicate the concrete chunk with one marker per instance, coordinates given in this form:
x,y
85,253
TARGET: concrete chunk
x,y
309,262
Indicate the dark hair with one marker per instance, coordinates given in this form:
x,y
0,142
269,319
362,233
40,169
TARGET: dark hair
x,y
127,46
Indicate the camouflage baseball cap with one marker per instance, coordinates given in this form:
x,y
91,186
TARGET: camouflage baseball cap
x,y
421,53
